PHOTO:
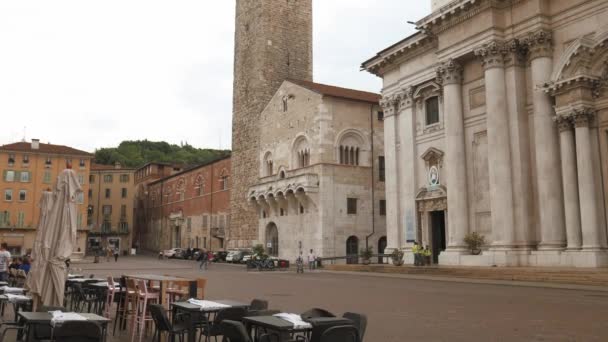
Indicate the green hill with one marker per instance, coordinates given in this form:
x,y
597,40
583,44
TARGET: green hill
x,y
139,152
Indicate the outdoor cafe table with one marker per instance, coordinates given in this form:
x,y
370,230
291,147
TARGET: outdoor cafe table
x,y
285,330
31,319
17,303
164,282
195,312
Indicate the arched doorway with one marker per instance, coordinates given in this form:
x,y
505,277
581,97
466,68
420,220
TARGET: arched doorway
x,y
381,248
272,239
352,250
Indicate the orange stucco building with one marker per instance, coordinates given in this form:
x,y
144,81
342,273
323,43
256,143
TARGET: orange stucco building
x,y
28,169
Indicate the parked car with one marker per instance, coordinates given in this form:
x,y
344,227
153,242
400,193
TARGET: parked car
x,y
193,255
246,255
172,253
220,256
236,256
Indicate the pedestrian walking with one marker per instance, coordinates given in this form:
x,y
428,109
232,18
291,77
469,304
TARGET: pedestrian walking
x,y
116,254
300,264
311,260
203,259
109,253
5,259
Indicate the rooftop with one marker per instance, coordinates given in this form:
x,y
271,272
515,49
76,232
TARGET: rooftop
x,y
101,167
43,148
344,93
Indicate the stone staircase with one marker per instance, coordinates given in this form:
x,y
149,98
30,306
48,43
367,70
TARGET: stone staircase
x,y
574,276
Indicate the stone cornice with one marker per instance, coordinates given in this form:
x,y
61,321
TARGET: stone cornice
x,y
407,48
449,72
459,11
560,87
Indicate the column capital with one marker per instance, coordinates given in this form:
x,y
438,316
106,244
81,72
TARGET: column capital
x,y
405,98
539,44
516,53
449,72
583,116
564,122
492,54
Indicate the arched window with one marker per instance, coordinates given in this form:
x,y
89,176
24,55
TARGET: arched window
x,y
432,110
349,147
301,152
268,165
282,174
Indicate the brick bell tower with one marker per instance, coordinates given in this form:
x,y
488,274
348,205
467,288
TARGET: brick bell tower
x,y
273,42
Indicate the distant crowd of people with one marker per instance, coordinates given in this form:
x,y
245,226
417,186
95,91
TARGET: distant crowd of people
x,y
7,263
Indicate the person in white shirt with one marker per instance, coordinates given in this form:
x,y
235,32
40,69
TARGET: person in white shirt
x,y
311,260
5,259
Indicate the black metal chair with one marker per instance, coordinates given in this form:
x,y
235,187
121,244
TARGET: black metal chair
x,y
82,299
212,329
359,320
78,331
163,325
316,312
258,304
235,331
341,333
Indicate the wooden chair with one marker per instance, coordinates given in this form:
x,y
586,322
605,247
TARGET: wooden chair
x,y
144,297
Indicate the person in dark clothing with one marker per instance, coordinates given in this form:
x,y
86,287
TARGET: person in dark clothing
x,y
203,258
115,254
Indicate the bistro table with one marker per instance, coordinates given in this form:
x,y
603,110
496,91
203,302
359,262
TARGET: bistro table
x,y
283,329
164,282
195,312
17,303
31,319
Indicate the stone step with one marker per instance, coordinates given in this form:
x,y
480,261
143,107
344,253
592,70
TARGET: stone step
x,y
595,277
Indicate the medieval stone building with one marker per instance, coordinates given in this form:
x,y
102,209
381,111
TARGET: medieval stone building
x,y
320,183
496,122
273,42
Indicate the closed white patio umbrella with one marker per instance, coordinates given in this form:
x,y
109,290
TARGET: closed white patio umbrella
x,y
57,238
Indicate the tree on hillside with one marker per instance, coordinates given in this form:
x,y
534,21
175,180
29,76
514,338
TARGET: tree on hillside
x,y
139,152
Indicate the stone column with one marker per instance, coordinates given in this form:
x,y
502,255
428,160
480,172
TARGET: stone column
x,y
548,174
570,182
587,181
406,164
515,64
499,144
450,75
393,230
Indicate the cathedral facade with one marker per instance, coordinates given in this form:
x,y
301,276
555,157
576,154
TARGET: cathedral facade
x,y
496,122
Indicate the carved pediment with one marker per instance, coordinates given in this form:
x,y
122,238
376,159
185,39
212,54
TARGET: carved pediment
x,y
433,156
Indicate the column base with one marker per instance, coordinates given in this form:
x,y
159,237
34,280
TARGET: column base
x,y
586,258
453,256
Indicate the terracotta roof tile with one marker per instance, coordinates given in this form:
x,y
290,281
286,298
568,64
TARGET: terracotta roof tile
x,y
344,93
43,148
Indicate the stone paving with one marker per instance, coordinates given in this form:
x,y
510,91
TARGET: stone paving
x,y
401,309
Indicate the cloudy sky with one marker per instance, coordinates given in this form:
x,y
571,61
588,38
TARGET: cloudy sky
x,y
90,74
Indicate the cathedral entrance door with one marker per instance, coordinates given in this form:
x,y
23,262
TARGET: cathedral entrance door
x,y
438,234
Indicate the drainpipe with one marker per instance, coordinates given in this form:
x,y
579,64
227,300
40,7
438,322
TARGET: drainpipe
x,y
371,125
